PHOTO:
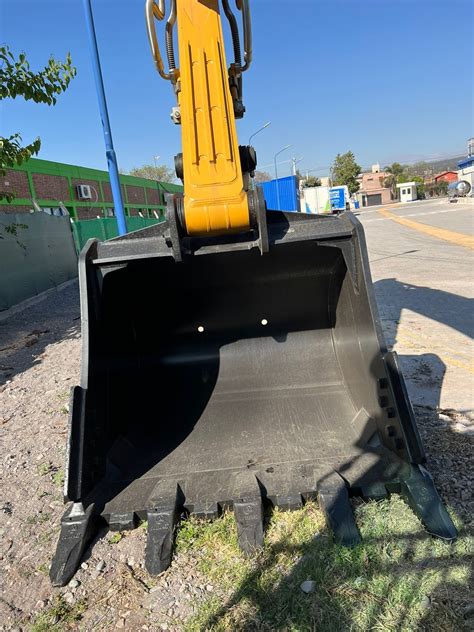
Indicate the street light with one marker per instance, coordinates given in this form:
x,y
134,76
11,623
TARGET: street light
x,y
258,131
155,160
276,173
275,159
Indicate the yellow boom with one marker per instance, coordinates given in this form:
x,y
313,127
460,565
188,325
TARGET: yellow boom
x,y
215,198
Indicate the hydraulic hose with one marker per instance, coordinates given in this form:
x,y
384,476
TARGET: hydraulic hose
x,y
234,29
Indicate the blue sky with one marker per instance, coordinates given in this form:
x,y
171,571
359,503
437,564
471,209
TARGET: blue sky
x,y
388,79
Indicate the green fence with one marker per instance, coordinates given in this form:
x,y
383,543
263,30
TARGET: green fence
x,y
105,228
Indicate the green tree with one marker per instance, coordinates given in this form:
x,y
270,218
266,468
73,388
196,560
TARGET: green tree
x,y
420,186
345,171
18,80
311,181
442,187
161,173
395,170
408,176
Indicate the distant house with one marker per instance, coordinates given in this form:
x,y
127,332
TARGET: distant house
x,y
371,188
447,176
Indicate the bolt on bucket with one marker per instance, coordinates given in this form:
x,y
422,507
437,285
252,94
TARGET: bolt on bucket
x,y
238,380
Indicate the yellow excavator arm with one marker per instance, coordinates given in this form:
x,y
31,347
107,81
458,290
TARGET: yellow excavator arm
x,y
208,101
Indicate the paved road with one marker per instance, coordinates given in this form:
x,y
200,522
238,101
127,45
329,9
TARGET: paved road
x,y
422,261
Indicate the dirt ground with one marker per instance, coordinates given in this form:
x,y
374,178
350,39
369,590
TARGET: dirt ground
x,y
39,362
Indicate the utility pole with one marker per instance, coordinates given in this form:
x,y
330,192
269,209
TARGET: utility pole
x,y
294,162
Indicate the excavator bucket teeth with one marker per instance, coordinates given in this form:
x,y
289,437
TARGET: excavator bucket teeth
x,y
220,377
334,501
78,527
418,489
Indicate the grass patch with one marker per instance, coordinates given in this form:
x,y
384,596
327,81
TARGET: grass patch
x,y
39,518
45,468
43,569
115,537
59,616
58,477
399,578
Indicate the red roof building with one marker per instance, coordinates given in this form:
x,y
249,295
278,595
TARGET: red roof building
x,y
448,176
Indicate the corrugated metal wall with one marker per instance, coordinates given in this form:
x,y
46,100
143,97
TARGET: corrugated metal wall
x,y
40,256
282,194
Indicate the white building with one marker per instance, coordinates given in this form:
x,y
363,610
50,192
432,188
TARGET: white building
x,y
407,191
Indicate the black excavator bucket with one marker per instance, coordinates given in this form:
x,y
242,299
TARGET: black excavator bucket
x,y
233,379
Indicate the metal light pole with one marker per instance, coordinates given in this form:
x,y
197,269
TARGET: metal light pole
x,y
258,131
250,142
104,115
155,160
276,173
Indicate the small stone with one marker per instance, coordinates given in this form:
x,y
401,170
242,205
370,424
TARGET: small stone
x,y
68,598
74,583
425,602
209,588
120,624
309,586
468,610
84,566
467,430
100,566
40,605
163,626
131,561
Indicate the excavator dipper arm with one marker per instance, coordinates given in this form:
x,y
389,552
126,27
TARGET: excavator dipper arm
x,y
209,98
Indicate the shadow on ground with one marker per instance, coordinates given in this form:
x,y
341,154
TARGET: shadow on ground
x,y
390,582
25,336
449,309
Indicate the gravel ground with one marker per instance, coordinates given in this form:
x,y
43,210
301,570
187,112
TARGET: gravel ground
x,y
39,362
